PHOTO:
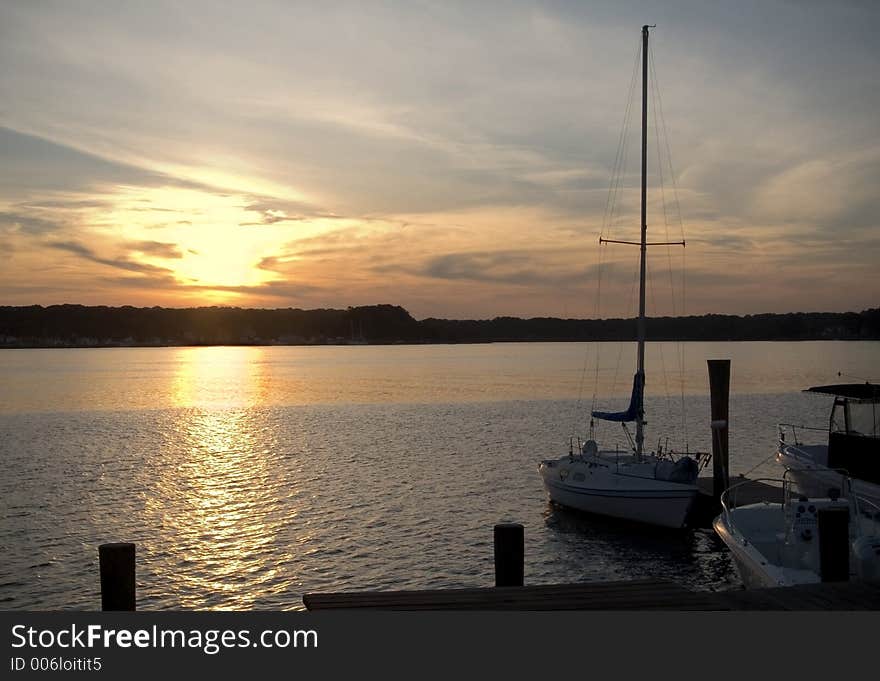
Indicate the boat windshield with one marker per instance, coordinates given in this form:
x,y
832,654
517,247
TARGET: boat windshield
x,y
856,417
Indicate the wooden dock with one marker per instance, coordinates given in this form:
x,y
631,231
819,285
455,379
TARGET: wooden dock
x,y
637,595
820,596
640,594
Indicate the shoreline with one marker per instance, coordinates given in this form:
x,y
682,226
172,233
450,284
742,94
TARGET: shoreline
x,y
171,344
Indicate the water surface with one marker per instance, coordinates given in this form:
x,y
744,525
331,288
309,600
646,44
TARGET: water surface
x,y
248,476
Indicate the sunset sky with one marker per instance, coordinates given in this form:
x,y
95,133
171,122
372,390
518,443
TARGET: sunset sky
x,y
452,158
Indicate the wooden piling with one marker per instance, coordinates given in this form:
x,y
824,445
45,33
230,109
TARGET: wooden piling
x,y
509,554
834,544
117,576
719,392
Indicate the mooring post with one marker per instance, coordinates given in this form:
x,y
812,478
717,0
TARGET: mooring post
x,y
509,554
834,544
117,576
719,392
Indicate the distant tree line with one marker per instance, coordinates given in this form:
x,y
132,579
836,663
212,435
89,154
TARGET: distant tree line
x,y
78,325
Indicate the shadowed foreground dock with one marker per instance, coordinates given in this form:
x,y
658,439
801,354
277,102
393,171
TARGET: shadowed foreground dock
x,y
627,595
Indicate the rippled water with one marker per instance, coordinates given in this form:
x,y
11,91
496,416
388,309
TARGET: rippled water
x,y
248,476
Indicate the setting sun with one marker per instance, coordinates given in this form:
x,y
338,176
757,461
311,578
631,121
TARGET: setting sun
x,y
207,239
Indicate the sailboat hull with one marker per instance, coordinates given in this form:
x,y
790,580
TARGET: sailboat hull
x,y
629,497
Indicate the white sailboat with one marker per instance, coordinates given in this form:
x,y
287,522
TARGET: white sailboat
x,y
655,487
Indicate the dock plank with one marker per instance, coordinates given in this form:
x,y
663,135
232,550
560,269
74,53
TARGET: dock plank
x,y
619,595
623,595
819,596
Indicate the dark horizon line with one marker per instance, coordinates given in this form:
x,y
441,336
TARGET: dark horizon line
x,y
370,306
79,325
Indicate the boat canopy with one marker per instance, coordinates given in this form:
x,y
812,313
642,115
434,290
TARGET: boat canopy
x,y
855,391
635,408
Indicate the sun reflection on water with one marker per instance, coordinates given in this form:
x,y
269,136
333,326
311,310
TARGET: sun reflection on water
x,y
216,493
220,377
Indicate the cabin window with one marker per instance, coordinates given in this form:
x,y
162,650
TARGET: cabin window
x,y
855,418
863,418
578,477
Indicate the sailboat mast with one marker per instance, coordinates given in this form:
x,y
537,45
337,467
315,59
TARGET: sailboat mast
x,y
640,419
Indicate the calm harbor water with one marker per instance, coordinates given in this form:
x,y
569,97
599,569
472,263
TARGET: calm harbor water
x,y
248,476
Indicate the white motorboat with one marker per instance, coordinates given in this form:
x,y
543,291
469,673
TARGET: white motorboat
x,y
657,487
782,544
851,444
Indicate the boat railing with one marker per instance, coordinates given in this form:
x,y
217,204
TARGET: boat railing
x,y
729,496
792,491
793,428
865,507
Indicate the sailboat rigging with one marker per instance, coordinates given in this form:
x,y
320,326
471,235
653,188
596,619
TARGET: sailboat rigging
x,y
647,487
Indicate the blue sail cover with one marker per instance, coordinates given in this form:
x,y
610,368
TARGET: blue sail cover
x,y
635,403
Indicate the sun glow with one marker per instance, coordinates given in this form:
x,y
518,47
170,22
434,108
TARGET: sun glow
x,y
211,240
221,257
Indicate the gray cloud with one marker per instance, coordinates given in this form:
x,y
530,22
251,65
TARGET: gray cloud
x,y
45,167
273,211
27,224
156,282
86,253
728,243
65,204
269,263
291,291
829,253
274,289
340,242
520,268
505,267
155,248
